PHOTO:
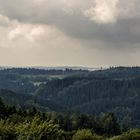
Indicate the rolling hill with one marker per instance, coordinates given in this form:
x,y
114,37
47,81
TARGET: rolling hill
x,y
93,92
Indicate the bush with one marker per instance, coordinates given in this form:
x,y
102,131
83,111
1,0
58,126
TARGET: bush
x,y
7,130
38,130
133,134
86,134
83,134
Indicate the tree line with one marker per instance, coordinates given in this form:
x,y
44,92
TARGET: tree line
x,y
31,124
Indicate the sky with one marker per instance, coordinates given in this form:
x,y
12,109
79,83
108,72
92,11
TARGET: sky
x,y
90,33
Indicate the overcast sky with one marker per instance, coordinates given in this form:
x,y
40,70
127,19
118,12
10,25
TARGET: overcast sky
x,y
91,33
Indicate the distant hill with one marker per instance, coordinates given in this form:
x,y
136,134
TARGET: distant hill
x,y
27,101
116,89
54,68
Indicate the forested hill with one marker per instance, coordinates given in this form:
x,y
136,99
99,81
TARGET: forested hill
x,y
116,89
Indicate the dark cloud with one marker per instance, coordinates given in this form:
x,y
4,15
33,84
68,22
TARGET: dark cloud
x,y
96,27
72,21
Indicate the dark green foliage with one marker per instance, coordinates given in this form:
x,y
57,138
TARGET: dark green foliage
x,y
114,90
83,135
86,134
110,125
26,101
130,135
19,124
38,130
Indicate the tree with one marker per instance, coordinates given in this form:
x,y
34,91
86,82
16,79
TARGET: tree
x,y
133,134
38,130
110,125
83,134
2,108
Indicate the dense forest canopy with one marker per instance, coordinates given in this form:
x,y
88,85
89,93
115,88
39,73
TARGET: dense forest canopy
x,y
116,90
21,124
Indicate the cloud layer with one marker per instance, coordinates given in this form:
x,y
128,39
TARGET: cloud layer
x,y
50,32
103,11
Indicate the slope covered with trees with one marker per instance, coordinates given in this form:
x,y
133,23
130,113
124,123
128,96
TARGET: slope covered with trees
x,y
114,90
19,124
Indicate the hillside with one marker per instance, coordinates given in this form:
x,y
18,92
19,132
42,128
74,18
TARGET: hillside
x,y
112,90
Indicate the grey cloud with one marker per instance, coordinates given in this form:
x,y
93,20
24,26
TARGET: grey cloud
x,y
70,18
57,32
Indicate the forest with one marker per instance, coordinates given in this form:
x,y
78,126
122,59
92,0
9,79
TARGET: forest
x,y
70,104
31,124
